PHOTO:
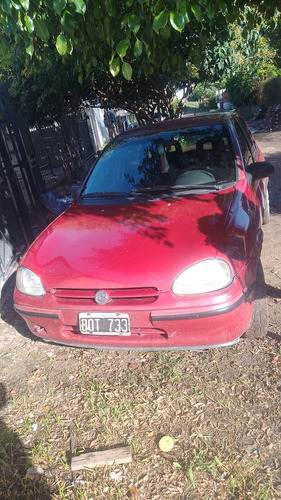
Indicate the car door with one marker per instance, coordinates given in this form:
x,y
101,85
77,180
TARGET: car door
x,y
251,153
252,199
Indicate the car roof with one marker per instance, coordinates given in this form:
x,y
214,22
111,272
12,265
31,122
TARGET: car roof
x,y
200,119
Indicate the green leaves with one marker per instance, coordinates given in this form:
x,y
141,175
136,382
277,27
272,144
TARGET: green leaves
x,y
41,30
59,5
191,476
127,71
160,21
110,7
68,21
210,11
122,47
221,4
196,9
165,32
114,66
177,465
61,45
29,24
141,36
79,6
138,48
178,18
121,50
30,48
177,21
134,23
25,4
5,5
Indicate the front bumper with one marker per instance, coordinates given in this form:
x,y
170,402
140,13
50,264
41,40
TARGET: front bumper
x,y
215,319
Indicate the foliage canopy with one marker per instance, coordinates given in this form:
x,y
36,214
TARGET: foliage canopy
x,y
152,47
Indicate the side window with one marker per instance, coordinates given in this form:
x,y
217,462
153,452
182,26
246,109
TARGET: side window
x,y
244,145
249,138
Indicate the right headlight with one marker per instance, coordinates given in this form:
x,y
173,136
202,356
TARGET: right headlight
x,y
29,283
206,276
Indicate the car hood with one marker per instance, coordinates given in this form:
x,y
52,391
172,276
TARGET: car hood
x,y
129,245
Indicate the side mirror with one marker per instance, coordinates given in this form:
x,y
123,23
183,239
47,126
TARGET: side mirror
x,y
259,170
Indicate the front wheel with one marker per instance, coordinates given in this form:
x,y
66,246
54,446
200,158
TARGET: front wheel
x,y
259,323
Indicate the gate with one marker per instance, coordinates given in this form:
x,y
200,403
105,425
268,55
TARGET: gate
x,y
21,215
33,161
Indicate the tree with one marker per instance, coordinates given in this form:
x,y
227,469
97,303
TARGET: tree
x,y
47,95
145,96
254,62
272,32
118,47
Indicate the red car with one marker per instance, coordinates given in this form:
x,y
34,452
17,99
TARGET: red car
x,y
161,247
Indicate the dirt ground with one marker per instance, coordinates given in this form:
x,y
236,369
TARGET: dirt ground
x,y
222,407
270,144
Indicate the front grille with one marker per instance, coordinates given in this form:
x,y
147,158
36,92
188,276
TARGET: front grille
x,y
118,295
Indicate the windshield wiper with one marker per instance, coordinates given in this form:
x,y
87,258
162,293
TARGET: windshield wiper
x,y
191,187
187,187
102,194
151,190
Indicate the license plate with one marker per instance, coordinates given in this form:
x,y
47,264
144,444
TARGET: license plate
x,y
104,324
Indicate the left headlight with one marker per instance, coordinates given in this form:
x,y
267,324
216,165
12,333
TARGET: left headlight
x,y
29,283
206,276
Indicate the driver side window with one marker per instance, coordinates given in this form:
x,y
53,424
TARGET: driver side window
x,y
244,146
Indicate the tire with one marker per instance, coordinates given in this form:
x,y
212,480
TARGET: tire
x,y
7,301
266,208
259,323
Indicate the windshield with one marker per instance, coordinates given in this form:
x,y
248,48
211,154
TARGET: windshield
x,y
199,156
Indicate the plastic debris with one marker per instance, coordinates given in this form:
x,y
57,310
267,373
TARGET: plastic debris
x,y
166,443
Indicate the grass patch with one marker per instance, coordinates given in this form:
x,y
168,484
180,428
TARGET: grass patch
x,y
215,405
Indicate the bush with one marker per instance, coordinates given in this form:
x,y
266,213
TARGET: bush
x,y
191,107
213,103
242,89
207,105
271,93
203,90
